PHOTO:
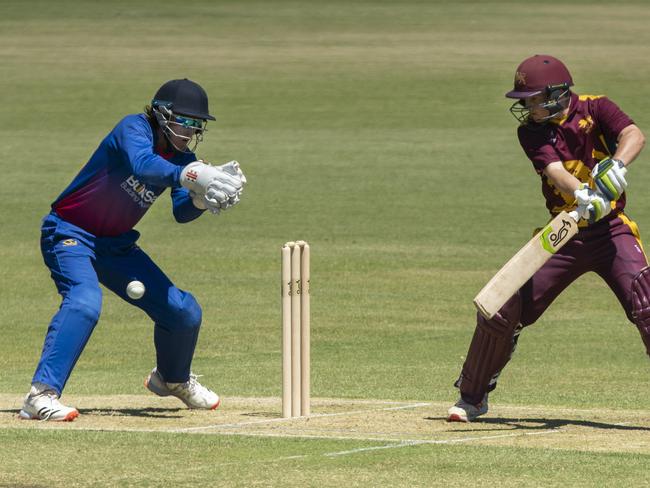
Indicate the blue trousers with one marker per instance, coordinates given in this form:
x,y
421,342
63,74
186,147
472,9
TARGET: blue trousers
x,y
79,262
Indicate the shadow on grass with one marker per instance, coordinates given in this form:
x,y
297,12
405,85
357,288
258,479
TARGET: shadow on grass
x,y
149,412
13,485
543,424
268,415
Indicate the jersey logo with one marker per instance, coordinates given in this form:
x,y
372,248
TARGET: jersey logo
x,y
586,124
138,192
69,242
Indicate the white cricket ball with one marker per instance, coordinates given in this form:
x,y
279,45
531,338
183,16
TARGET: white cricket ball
x,y
135,290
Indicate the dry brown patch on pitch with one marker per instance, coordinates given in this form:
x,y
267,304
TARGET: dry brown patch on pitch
x,y
151,413
542,427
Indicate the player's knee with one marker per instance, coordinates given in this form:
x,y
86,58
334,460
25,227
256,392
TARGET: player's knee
x,y
186,311
85,303
506,321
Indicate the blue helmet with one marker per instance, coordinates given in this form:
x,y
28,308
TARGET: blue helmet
x,y
182,104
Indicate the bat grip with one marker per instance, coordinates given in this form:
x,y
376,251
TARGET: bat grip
x,y
574,215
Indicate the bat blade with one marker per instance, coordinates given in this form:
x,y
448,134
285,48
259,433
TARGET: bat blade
x,y
523,265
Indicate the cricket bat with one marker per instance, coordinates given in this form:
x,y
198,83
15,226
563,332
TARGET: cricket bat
x,y
526,262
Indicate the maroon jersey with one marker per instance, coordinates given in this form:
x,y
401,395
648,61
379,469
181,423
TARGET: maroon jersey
x,y
587,134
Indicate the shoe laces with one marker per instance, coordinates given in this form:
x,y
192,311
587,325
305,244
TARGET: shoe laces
x,y
193,384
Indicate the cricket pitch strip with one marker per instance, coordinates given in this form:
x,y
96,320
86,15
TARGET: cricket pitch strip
x,y
395,424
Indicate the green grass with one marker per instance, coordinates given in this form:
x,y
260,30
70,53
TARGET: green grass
x,y
236,461
378,132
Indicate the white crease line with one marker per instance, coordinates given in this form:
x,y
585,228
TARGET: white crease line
x,y
282,435
285,435
375,448
318,415
397,445
447,441
497,436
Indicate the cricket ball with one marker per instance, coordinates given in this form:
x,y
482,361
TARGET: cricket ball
x,y
135,289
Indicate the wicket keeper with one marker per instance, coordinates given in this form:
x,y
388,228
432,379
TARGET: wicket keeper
x,y
88,239
578,145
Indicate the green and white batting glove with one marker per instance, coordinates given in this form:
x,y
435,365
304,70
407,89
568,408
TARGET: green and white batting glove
x,y
592,206
609,176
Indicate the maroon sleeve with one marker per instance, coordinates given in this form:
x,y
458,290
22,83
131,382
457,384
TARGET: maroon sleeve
x,y
538,147
610,118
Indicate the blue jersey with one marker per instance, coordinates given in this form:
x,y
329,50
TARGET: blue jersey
x,y
122,180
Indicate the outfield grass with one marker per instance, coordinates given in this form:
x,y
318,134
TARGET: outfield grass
x,y
378,132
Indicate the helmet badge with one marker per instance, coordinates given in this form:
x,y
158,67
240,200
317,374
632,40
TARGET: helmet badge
x,y
520,78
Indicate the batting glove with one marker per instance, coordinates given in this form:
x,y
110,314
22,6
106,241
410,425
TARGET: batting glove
x,y
592,206
609,176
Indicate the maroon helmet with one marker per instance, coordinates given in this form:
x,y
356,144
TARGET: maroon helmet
x,y
541,74
537,74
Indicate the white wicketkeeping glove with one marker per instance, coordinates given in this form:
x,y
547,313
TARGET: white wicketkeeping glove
x,y
218,188
592,206
200,202
233,168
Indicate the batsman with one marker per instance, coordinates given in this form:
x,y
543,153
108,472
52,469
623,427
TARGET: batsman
x,y
580,146
88,238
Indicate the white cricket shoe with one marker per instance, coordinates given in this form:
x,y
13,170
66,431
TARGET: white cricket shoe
x,y
466,412
42,403
191,393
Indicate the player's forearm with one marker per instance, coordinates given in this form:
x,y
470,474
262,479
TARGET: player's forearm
x,y
153,169
564,181
182,207
630,143
184,211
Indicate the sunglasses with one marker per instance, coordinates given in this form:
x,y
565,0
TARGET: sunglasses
x,y
187,122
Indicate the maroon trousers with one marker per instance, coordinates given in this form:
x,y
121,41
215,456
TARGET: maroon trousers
x,y
610,248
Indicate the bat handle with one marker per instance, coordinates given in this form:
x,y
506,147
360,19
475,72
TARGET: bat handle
x,y
574,215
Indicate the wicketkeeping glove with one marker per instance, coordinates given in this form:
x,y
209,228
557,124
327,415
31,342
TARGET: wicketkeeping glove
x,y
233,168
200,202
592,206
609,176
214,187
